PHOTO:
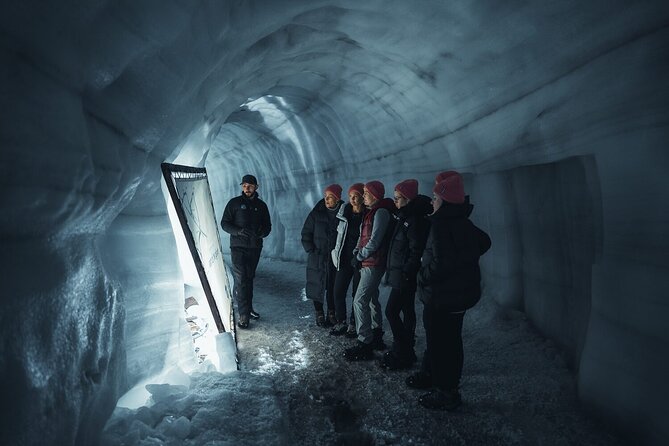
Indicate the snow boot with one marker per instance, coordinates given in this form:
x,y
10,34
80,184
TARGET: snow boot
x,y
360,352
441,400
254,314
377,341
420,380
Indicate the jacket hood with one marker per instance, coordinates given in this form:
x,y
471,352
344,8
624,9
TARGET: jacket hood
x,y
422,205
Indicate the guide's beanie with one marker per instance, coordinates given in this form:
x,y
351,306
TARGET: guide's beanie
x,y
376,188
408,188
443,175
334,189
357,187
250,179
451,190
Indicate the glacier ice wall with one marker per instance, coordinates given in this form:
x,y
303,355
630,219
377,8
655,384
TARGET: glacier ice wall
x,y
555,112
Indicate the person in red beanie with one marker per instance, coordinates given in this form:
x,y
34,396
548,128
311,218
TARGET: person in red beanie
x,y
449,283
350,218
319,234
404,253
370,259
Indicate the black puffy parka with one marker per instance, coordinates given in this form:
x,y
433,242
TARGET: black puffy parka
x,y
408,242
450,278
247,221
319,235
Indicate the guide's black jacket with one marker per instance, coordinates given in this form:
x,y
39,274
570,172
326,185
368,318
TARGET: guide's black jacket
x,y
408,242
247,221
450,278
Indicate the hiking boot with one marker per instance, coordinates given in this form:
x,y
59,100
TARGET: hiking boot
x,y
360,352
377,341
339,329
420,380
332,319
350,332
243,322
254,314
441,400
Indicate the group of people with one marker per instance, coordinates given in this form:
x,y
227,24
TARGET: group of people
x,y
419,245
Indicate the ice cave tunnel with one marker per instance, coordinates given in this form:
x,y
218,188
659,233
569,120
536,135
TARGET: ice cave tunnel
x,y
556,113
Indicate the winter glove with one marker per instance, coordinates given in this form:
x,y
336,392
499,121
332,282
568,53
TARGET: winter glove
x,y
356,264
244,232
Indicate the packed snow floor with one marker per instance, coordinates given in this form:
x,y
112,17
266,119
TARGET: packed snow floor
x,y
294,387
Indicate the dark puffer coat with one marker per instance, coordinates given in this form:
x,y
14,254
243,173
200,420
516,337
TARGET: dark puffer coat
x,y
249,214
319,235
408,242
450,278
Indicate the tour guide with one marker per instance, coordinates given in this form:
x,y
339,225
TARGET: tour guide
x,y
246,219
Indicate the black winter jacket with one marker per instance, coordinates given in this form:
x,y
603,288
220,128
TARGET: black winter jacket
x,y
450,278
408,242
319,235
247,221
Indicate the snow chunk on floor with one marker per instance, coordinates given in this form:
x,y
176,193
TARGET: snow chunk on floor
x,y
217,409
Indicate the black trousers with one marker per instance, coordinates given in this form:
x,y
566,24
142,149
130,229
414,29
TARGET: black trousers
x,y
330,277
402,301
444,355
343,279
244,264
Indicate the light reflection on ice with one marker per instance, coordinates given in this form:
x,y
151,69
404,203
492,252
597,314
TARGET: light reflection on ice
x,y
295,357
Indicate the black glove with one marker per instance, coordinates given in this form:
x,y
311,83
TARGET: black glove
x,y
244,232
355,263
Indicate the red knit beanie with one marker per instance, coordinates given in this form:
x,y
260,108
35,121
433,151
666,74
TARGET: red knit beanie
x,y
333,189
443,175
357,187
451,190
408,188
376,189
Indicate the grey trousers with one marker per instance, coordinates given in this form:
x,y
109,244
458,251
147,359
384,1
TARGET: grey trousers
x,y
366,306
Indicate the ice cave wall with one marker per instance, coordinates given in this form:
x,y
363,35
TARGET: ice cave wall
x,y
555,113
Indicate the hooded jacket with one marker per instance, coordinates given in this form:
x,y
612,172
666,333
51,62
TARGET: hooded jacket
x,y
247,221
408,242
449,277
319,235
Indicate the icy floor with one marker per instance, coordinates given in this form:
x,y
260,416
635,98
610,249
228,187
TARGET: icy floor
x,y
294,387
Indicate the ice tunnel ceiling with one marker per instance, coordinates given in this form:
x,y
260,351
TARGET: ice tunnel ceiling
x,y
555,112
